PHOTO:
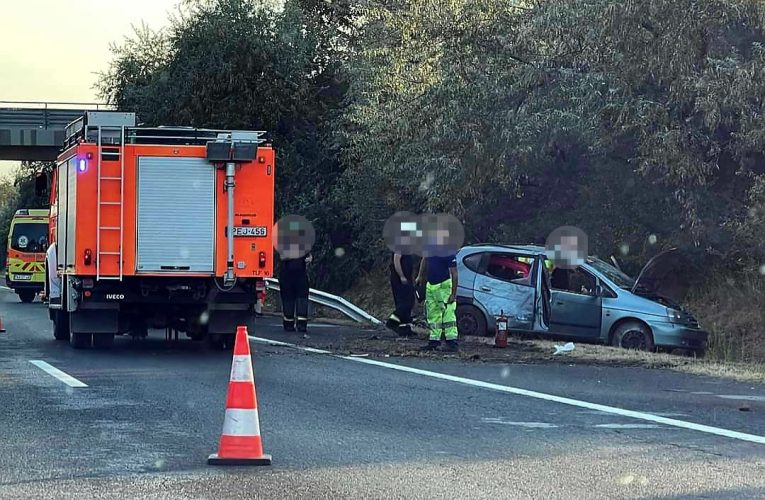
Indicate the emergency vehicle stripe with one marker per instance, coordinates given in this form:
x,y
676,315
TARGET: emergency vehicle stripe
x,y
240,422
241,369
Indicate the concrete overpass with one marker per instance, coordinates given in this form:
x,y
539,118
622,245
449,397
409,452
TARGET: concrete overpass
x,y
34,131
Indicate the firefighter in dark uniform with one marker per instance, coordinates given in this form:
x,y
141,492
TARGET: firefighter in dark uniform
x,y
402,284
293,288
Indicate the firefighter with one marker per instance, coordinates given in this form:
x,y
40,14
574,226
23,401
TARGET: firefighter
x,y
402,285
438,270
293,288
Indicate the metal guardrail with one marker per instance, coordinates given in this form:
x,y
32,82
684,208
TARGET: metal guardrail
x,y
333,302
81,106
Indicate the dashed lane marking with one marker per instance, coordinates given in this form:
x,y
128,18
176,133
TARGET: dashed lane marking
x,y
55,372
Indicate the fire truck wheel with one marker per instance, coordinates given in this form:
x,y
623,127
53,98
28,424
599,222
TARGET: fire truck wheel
x,y
60,325
27,297
103,340
80,340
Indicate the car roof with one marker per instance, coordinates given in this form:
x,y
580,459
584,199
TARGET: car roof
x,y
529,249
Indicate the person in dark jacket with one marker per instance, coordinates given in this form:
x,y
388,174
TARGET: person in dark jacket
x,y
293,288
402,285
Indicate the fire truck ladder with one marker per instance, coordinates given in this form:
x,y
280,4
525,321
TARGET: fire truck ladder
x,y
110,204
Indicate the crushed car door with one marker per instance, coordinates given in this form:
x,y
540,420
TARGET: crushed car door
x,y
499,290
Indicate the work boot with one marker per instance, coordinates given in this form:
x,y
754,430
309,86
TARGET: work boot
x,y
289,325
432,345
452,346
302,325
392,324
405,330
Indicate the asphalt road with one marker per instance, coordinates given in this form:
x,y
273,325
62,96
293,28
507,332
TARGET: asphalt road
x,y
152,412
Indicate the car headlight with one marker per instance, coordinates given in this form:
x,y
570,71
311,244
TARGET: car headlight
x,y
674,315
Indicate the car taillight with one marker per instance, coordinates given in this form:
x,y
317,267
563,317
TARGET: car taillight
x,y
88,256
262,259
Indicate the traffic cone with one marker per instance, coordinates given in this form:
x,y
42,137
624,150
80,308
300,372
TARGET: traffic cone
x,y
240,442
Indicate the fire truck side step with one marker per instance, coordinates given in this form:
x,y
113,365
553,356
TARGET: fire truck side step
x,y
110,203
109,228
109,253
111,178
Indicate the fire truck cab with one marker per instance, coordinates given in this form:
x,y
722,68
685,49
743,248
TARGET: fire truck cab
x,y
159,227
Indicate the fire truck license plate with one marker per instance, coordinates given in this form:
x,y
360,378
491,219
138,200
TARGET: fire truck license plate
x,y
22,277
258,231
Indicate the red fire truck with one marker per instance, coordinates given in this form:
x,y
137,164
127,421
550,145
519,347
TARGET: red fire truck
x,y
159,227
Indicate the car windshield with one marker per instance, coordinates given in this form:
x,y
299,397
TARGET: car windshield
x,y
615,275
29,237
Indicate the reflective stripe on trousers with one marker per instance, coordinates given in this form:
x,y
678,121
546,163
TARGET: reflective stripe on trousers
x,y
442,317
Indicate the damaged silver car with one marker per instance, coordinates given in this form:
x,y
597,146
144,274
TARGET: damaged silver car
x,y
595,302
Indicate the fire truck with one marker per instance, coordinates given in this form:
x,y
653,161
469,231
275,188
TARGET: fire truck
x,y
159,228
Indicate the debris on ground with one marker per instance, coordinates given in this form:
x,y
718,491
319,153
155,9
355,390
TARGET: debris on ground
x,y
563,349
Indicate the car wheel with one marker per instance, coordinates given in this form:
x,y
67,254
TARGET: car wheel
x,y
471,321
80,340
60,325
27,297
103,340
633,335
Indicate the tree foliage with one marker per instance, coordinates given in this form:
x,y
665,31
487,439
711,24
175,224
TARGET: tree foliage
x,y
638,121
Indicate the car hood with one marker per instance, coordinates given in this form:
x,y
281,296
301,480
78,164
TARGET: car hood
x,y
662,277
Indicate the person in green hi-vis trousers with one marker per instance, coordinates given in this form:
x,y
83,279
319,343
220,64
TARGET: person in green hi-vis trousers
x,y
440,299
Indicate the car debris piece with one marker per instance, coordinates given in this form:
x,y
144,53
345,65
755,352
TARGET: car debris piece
x,y
564,349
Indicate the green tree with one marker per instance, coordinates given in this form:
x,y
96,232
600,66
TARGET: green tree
x,y
243,64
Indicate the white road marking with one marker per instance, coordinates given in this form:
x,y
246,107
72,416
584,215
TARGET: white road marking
x,y
702,393
528,425
742,398
55,372
660,414
639,415
628,426
5,288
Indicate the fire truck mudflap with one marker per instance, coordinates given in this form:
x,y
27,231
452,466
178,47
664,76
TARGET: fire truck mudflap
x,y
141,219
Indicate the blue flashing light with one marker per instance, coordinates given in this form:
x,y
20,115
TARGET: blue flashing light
x,y
83,165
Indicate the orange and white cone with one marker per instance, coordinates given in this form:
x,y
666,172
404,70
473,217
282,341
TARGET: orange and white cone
x,y
240,442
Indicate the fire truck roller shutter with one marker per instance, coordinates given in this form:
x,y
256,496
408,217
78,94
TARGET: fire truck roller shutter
x,y
176,215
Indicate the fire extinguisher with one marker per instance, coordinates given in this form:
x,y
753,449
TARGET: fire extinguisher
x,y
500,339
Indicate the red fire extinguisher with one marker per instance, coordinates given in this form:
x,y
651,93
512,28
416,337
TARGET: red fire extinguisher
x,y
500,339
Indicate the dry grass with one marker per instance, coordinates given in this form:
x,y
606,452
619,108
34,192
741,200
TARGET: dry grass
x,y
731,309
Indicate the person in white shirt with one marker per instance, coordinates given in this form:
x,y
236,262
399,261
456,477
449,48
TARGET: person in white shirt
x,y
53,288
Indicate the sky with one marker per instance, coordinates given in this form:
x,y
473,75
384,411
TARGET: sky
x,y
51,50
